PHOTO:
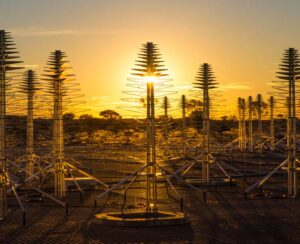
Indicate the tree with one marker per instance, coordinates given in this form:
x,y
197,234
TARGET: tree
x,y
196,117
193,105
143,102
110,114
86,116
225,124
68,116
233,118
195,109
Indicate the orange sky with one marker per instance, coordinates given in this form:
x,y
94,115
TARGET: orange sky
x,y
243,40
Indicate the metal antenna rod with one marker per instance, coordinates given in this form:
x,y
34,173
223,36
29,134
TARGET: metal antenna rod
x,y
184,137
148,150
244,133
259,122
29,151
242,123
250,123
272,135
151,148
166,118
206,126
7,63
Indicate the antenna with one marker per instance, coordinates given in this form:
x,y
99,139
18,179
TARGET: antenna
x,y
288,75
8,64
272,134
242,124
58,76
29,88
250,123
183,117
60,87
241,141
205,83
259,122
166,106
148,80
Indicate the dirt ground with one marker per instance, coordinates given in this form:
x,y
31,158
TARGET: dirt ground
x,y
225,217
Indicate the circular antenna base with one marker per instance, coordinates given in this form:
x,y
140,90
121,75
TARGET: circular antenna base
x,y
142,218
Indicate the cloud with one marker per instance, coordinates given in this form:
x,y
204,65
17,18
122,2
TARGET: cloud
x,y
101,98
183,87
42,32
270,83
105,101
31,66
32,31
229,86
234,86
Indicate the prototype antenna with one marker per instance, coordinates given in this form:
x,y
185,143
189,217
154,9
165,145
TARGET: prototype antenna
x,y
60,85
250,123
205,83
259,104
242,124
288,75
241,142
166,106
148,80
57,75
183,117
29,88
272,133
8,64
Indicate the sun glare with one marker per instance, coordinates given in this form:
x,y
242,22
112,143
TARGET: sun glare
x,y
150,79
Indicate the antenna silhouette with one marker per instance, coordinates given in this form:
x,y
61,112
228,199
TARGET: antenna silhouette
x,y
166,106
57,75
8,65
288,75
272,133
205,82
29,88
60,86
183,117
249,142
148,80
242,124
250,123
241,142
259,122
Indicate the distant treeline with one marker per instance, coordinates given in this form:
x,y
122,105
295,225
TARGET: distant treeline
x,y
75,128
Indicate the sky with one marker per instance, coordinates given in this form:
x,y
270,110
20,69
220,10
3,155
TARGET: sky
x,y
243,40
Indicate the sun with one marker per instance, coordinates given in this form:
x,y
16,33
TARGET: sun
x,y
150,79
